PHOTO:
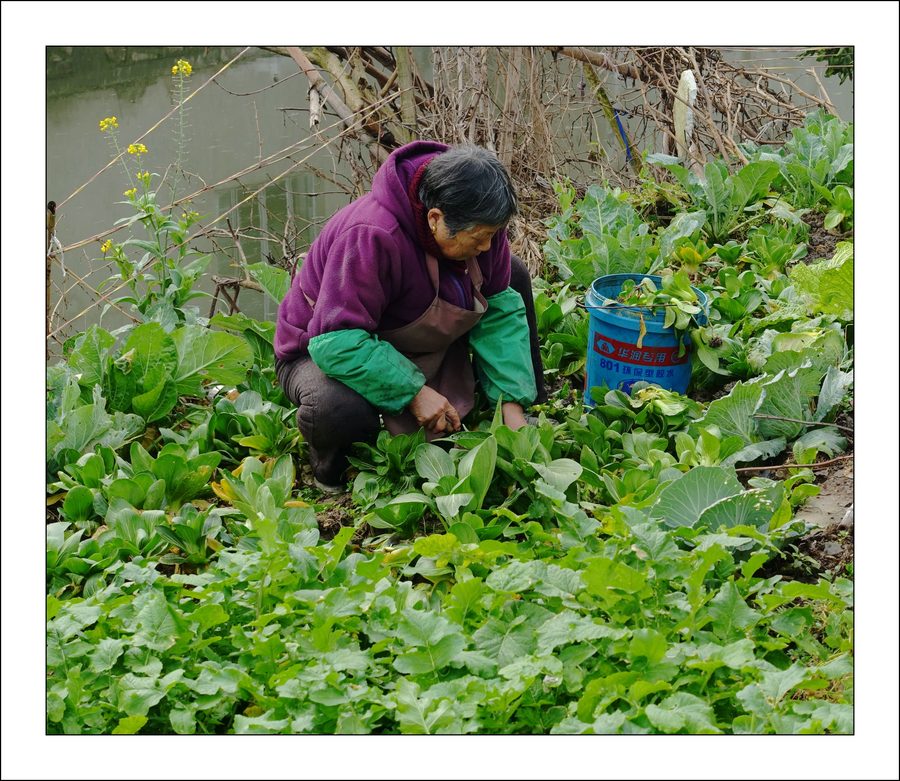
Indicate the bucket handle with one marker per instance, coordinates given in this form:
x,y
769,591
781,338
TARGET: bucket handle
x,y
617,305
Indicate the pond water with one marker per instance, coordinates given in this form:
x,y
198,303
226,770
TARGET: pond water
x,y
257,107
228,131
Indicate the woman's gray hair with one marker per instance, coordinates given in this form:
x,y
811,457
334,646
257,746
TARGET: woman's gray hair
x,y
470,186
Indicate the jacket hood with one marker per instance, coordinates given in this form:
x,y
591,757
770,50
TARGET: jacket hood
x,y
390,185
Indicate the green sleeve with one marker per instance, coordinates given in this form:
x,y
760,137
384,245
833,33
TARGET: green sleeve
x,y
368,365
502,350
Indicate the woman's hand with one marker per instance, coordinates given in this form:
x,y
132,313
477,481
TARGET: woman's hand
x,y
434,412
513,415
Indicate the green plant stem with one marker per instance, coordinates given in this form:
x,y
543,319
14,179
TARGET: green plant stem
x,y
121,155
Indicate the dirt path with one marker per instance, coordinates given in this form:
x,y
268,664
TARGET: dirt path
x,y
830,544
836,497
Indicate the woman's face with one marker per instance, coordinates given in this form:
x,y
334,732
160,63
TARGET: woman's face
x,y
464,244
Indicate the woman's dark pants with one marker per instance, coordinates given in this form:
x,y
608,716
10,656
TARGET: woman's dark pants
x,y
332,417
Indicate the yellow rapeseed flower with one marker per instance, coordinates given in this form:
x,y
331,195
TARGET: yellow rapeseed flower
x,y
109,123
137,149
130,193
106,246
183,67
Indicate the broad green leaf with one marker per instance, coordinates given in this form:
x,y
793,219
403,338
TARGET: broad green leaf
x,y
141,460
84,426
351,659
56,707
754,702
705,560
450,505
828,283
814,591
464,600
682,225
423,713
477,663
259,725
750,508
436,545
74,617
106,653
275,281
521,444
517,576
419,628
432,657
133,491
717,191
209,356
92,468
793,622
523,671
560,582
560,473
568,627
79,504
757,451
209,615
789,395
682,503
752,182
640,690
214,678
833,391
551,492
138,693
157,624
730,613
683,711
649,644
478,466
736,655
329,696
604,577
89,358
403,509
656,543
129,725
464,533
157,402
152,247
433,462
183,721
59,548
151,353
774,684
511,637
733,414
822,440
90,424
609,723
835,717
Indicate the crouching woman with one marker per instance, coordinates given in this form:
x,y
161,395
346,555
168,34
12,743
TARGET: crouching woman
x,y
407,298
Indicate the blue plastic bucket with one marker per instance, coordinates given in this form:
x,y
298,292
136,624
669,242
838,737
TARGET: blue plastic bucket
x,y
613,357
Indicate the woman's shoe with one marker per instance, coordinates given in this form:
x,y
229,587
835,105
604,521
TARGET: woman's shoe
x,y
329,489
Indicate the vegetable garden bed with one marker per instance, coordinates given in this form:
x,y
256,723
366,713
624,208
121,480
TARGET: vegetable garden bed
x,y
631,569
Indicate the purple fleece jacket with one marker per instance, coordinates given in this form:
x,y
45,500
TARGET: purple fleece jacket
x,y
366,269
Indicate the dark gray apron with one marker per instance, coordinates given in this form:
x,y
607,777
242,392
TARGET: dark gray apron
x,y
434,343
